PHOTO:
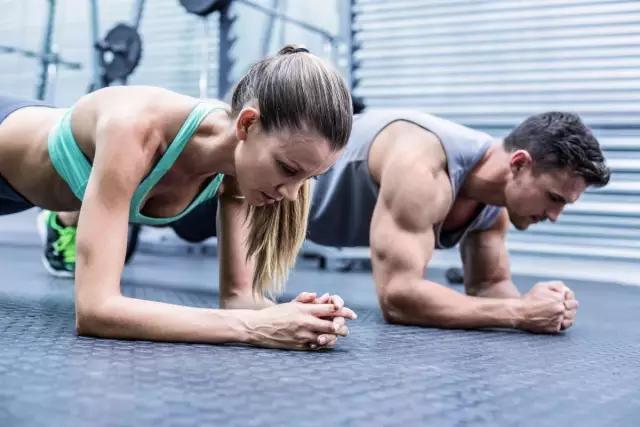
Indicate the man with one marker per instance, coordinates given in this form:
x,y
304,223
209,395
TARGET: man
x,y
410,183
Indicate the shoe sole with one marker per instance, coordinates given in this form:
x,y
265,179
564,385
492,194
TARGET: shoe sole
x,y
41,225
55,273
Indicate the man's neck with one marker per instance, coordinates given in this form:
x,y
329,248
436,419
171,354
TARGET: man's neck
x,y
487,181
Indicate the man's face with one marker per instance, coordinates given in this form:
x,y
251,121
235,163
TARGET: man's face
x,y
533,196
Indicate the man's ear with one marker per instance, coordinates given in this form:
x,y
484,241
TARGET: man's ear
x,y
520,160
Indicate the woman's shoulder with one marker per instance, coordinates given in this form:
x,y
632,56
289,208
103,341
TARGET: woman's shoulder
x,y
137,106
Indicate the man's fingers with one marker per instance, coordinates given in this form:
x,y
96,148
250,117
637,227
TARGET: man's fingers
x,y
557,286
571,304
570,314
567,323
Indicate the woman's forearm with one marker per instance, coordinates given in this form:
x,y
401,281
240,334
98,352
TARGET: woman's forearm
x,y
128,318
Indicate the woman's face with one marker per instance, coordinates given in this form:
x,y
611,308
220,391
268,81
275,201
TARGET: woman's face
x,y
274,165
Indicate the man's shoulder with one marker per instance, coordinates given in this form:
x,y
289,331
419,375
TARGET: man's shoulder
x,y
416,192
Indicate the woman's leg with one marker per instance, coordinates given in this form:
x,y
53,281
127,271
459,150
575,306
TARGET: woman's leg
x,y
58,233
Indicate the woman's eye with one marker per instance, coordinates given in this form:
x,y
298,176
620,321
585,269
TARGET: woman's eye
x,y
287,169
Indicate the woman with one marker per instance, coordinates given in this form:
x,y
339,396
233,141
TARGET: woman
x,y
148,155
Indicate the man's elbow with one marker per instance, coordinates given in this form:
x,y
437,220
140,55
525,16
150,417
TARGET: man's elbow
x,y
393,302
408,304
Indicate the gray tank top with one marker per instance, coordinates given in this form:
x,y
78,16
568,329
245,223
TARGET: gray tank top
x,y
344,198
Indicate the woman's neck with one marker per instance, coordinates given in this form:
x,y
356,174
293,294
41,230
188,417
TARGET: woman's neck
x,y
212,149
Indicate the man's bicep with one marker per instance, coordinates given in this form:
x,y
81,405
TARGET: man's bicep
x,y
401,241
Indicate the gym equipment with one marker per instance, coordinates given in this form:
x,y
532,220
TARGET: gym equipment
x,y
204,8
49,59
454,275
118,54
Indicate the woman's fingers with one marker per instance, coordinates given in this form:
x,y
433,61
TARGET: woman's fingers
x,y
324,299
329,310
337,301
305,297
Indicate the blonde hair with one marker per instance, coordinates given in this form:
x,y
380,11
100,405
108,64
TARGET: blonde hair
x,y
276,235
294,90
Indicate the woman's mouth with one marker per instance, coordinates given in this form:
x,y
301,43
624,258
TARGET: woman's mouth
x,y
267,199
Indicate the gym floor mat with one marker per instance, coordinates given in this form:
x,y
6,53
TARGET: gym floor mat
x,y
380,375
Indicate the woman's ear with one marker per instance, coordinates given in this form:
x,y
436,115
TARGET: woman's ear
x,y
247,117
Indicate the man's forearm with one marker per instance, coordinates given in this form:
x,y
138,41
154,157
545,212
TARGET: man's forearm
x,y
426,303
501,289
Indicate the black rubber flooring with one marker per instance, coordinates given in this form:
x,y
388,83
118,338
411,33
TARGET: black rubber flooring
x,y
380,375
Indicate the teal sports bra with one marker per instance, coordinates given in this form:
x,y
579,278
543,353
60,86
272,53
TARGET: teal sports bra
x,y
72,165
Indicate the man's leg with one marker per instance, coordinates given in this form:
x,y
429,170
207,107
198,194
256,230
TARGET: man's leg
x,y
503,289
199,224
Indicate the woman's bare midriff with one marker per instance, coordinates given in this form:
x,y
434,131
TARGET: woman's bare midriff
x,y
24,158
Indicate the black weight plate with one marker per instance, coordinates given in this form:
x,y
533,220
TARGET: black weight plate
x,y
121,51
204,7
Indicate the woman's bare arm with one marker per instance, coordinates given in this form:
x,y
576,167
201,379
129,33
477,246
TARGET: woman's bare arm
x,y
119,165
236,271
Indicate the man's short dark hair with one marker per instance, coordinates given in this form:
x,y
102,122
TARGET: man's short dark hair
x,y
559,140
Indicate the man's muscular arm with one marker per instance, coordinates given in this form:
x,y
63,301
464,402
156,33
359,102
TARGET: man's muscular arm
x,y
412,199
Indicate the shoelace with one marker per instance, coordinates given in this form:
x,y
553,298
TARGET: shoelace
x,y
66,244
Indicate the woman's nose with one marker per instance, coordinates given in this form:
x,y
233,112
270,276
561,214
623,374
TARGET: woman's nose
x,y
290,191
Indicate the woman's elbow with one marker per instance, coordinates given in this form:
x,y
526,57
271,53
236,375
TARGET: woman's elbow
x,y
87,320
93,319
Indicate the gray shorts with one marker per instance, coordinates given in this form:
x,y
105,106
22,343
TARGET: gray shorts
x,y
10,200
